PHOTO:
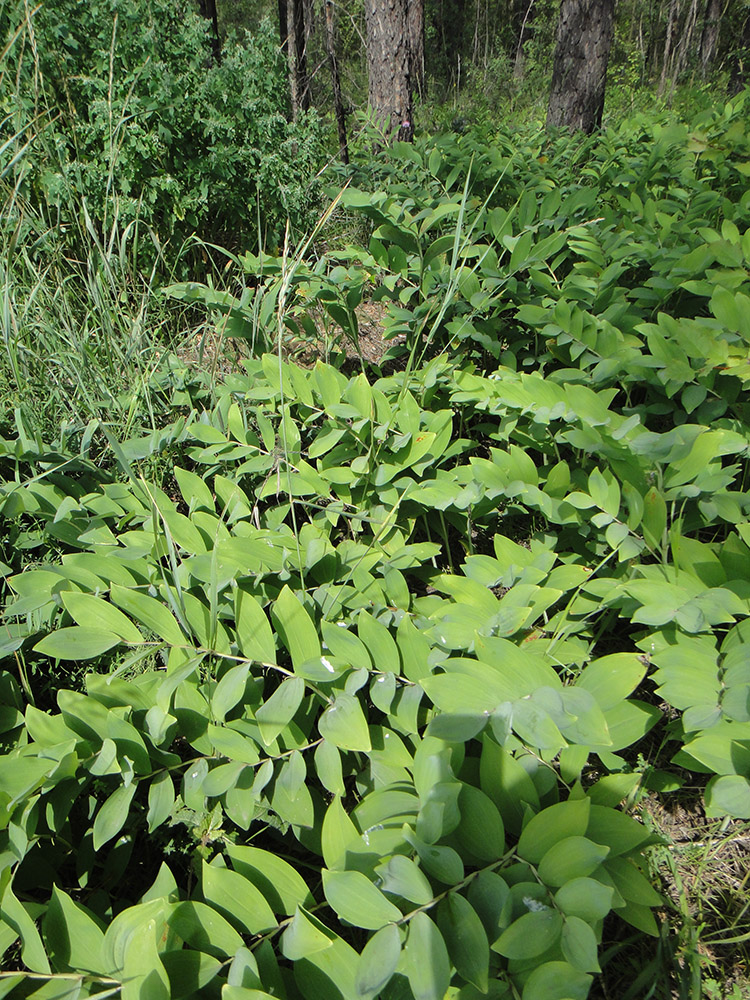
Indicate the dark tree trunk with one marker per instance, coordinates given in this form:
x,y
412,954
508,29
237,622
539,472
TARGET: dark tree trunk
x,y
296,51
208,10
338,106
740,77
282,26
579,71
710,35
415,30
388,67
523,20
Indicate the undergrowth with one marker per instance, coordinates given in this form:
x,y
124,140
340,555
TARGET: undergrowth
x,y
358,681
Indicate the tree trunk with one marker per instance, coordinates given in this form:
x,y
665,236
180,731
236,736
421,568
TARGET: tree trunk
x,y
299,84
208,10
415,30
667,45
388,67
282,26
710,35
338,106
579,72
523,19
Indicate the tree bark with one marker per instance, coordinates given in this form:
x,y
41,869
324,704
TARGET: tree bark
x,y
523,19
299,84
579,72
710,35
415,31
388,67
208,10
338,106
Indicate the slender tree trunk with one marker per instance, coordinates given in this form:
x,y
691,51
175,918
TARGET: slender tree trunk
x,y
709,35
667,45
524,18
579,71
388,67
208,10
282,26
299,87
738,78
338,106
415,30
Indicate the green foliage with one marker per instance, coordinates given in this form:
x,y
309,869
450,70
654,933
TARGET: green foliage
x,y
347,701
120,106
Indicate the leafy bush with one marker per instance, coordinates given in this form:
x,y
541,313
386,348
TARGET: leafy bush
x,y
123,107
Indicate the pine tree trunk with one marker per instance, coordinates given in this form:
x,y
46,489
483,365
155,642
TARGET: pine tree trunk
x,y
523,18
415,29
710,35
299,86
208,10
388,67
579,72
338,106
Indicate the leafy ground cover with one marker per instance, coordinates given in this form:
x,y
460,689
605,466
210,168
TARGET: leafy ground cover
x,y
355,681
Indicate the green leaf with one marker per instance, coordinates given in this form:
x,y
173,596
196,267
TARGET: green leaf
x,y
14,914
378,962
556,981
304,937
343,723
74,940
237,899
355,899
400,876
612,678
189,972
531,935
654,521
160,800
93,612
728,795
229,691
614,829
442,862
194,490
253,629
551,825
143,975
282,886
112,815
278,711
466,940
150,613
573,857
295,628
338,834
426,962
480,831
585,898
77,642
204,929
579,945
379,642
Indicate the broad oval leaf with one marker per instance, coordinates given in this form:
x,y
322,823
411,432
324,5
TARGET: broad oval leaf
x,y
77,642
112,815
531,934
343,723
426,962
354,898
378,962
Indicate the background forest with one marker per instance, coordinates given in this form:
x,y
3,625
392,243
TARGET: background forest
x,y
374,508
